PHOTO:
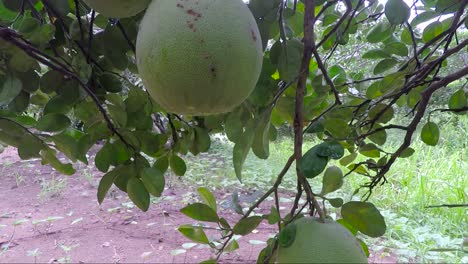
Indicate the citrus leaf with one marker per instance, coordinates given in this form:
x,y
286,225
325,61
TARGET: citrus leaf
x,y
207,197
365,217
397,11
261,141
9,89
458,100
312,164
287,236
430,134
200,212
154,181
196,234
247,225
53,123
138,194
177,165
289,62
332,180
242,148
106,183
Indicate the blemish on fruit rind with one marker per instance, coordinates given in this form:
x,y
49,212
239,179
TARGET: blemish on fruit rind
x,y
179,5
193,13
254,36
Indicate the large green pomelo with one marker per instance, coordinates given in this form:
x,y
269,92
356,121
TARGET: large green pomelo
x,y
118,8
317,242
199,57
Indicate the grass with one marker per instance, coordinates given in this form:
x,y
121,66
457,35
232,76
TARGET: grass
x,y
432,176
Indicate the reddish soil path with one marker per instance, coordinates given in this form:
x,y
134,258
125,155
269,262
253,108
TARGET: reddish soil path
x,y
82,231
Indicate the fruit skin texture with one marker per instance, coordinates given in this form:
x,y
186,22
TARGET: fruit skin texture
x,y
317,242
199,57
118,8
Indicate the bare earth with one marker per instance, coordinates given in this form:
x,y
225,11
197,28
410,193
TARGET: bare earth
x,y
76,229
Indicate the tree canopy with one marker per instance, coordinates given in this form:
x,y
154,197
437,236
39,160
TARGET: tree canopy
x,y
341,70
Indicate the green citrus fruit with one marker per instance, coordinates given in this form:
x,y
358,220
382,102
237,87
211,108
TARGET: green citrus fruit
x,y
118,8
312,241
199,57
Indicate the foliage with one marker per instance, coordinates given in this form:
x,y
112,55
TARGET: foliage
x,y
70,65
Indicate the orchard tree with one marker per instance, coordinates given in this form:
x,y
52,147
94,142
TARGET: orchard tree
x,y
336,69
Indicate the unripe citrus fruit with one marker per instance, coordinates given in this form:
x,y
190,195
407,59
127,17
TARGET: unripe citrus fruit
x,y
118,8
199,57
317,242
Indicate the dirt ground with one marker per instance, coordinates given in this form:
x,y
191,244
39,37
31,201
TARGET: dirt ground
x,y
48,218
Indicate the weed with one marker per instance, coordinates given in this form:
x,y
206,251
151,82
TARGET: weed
x,y
19,179
88,176
52,188
34,253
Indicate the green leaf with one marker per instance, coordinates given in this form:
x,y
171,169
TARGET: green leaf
x,y
376,54
379,33
49,157
162,164
200,212
201,141
20,103
233,125
138,194
154,181
384,65
261,141
337,74
289,62
370,150
379,137
247,225
330,149
53,123
118,115
348,159
382,113
106,183
458,100
232,246
408,152
51,81
397,11
9,89
332,180
196,234
397,48
177,165
287,236
30,147
432,30
207,197
336,202
365,217
312,164
338,128
242,148
364,247
423,17
274,216
104,157
111,83
430,134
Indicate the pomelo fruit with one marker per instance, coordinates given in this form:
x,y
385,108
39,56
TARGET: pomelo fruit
x,y
199,57
118,8
317,242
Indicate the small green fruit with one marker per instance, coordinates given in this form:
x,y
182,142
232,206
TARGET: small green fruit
x,y
118,8
199,57
317,242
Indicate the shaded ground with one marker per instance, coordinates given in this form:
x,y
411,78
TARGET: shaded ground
x,y
46,217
